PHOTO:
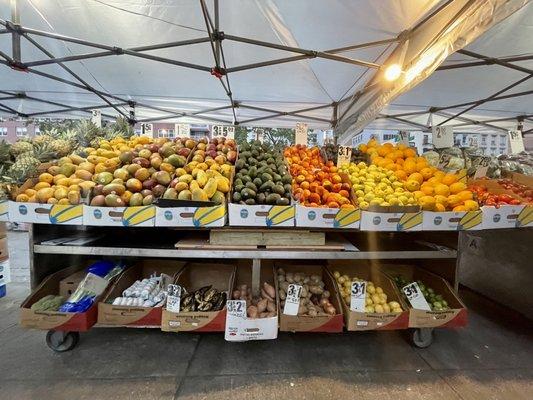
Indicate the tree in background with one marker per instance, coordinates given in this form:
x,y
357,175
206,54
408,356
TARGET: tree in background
x,y
241,134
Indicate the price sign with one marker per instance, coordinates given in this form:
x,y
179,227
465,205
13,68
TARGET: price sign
x,y
292,301
415,297
300,134
344,155
236,308
482,167
403,137
516,141
358,297
147,129
174,298
224,130
442,136
444,161
96,118
473,141
182,130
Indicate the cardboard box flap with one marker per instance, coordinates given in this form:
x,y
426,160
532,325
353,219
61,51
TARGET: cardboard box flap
x,y
196,275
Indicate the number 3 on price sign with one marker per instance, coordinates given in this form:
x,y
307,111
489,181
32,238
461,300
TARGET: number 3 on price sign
x,y
358,297
236,308
344,155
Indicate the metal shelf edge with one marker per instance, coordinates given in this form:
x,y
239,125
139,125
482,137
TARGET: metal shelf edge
x,y
246,254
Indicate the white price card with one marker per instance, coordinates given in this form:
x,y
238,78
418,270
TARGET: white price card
x,y
236,309
182,130
94,284
444,160
415,297
344,155
292,301
442,136
96,118
482,167
300,134
224,130
516,141
174,298
358,296
403,138
147,129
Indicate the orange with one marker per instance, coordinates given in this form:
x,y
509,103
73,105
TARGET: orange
x,y
46,177
440,207
409,153
441,199
398,154
453,200
427,203
457,187
383,151
41,185
400,174
363,148
442,189
433,180
401,146
460,208
465,195
409,166
421,165
448,179
400,161
427,190
438,174
427,173
471,205
416,176
411,185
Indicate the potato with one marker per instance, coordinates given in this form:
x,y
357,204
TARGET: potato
x,y
252,312
282,294
271,306
262,305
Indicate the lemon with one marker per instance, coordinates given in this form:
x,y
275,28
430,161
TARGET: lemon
x,y
363,205
359,193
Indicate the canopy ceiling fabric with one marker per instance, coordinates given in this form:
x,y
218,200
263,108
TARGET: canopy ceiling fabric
x,y
313,83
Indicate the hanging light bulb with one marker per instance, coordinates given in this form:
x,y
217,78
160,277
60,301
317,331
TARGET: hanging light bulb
x,y
393,72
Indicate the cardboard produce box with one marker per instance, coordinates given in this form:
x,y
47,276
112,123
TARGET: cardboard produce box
x,y
455,317
4,210
453,220
198,217
119,216
364,321
303,323
239,329
131,316
391,219
192,277
56,320
316,217
68,285
261,215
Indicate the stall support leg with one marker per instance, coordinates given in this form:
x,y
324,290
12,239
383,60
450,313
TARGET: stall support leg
x,y
256,276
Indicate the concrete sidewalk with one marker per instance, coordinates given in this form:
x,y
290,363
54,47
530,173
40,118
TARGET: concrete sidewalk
x,y
490,359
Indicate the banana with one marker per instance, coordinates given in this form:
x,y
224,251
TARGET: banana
x,y
346,216
470,220
410,220
60,214
136,215
206,216
279,214
525,217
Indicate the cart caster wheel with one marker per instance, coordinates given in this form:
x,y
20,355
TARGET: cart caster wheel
x,y
422,337
60,341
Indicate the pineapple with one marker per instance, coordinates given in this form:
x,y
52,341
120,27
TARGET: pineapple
x,y
86,132
25,166
5,154
44,152
42,139
20,146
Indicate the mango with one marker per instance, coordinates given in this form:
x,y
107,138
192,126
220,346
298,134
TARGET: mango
x,y
46,177
210,187
218,197
61,193
185,178
53,170
23,198
41,185
64,182
126,196
98,201
171,194
193,185
185,195
199,195
222,184
181,186
113,188
67,169
44,194
148,200
74,198
113,200
201,178
136,199
30,192
180,172
76,159
84,174
63,202
52,200
103,178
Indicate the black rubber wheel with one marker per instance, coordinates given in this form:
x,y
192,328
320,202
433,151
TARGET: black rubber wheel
x,y
60,341
422,337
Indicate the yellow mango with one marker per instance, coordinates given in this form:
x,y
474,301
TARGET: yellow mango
x,y
201,178
222,184
199,195
210,187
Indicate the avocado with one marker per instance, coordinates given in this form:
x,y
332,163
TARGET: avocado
x,y
236,197
250,185
238,188
252,172
287,187
283,201
258,182
247,193
276,177
250,202
286,179
266,177
252,161
270,160
260,198
243,172
272,198
279,189
240,164
238,182
246,178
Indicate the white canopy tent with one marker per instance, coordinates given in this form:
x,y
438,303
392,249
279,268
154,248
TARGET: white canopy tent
x,y
262,62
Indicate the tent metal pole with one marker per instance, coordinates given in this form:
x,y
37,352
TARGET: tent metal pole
x,y
504,119
76,76
88,108
8,98
116,52
217,25
482,101
312,53
362,46
496,61
405,121
292,113
267,63
15,35
471,121
485,62
12,110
